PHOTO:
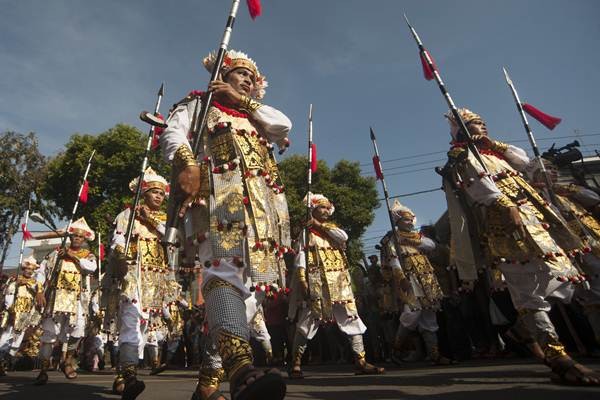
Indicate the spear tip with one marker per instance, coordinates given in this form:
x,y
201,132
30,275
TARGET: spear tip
x,y
372,133
161,91
508,80
310,107
406,19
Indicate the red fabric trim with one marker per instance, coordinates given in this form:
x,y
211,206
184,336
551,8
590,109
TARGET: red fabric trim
x,y
313,159
463,145
377,167
226,110
26,234
254,8
84,192
547,120
427,72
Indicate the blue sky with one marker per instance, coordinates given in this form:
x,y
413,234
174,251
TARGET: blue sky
x,y
77,66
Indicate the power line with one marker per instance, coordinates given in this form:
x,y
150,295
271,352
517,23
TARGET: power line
x,y
511,141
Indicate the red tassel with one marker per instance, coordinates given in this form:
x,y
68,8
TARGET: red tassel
x,y
101,252
26,234
377,166
547,120
313,158
427,72
254,8
84,192
157,132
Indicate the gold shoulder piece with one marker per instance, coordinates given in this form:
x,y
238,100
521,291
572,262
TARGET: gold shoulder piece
x,y
455,152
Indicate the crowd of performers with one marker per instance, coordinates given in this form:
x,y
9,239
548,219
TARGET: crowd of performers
x,y
240,287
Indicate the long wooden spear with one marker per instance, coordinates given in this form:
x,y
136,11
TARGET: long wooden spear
x,y
138,190
199,122
431,72
53,274
311,167
380,177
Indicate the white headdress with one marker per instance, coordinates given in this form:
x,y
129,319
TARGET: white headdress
x,y
81,227
30,261
399,212
152,180
318,200
236,59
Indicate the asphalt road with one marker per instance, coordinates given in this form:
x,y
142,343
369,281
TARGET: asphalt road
x,y
475,380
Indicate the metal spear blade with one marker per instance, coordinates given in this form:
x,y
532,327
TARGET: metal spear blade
x,y
161,91
372,134
508,80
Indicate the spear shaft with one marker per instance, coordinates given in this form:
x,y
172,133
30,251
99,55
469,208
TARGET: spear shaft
x,y
308,181
138,190
23,238
530,136
199,122
63,243
385,193
461,124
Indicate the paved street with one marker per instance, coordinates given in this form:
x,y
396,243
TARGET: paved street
x,y
488,380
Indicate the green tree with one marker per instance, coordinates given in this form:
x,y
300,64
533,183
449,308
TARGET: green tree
x,y
118,159
354,196
22,170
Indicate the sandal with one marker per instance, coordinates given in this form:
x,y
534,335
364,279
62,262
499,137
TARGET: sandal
x,y
68,370
295,374
158,369
369,369
41,379
268,385
579,375
216,395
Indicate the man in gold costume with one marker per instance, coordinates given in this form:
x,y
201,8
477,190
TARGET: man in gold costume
x,y
23,298
237,223
578,205
64,314
322,290
513,222
144,281
414,282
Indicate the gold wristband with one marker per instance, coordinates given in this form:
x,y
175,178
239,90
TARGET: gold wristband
x,y
499,147
184,158
301,274
249,105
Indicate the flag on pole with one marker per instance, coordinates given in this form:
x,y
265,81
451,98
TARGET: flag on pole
x,y
26,234
313,159
254,8
547,120
157,132
427,72
84,192
377,166
101,252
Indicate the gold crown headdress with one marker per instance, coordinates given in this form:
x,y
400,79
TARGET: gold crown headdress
x,y
466,115
236,59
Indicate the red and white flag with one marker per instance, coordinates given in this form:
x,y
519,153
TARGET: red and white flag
x,y
547,120
427,71
377,167
26,234
83,197
313,158
254,8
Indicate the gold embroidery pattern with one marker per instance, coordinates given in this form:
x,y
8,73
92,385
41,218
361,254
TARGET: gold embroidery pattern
x,y
235,352
215,283
210,377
